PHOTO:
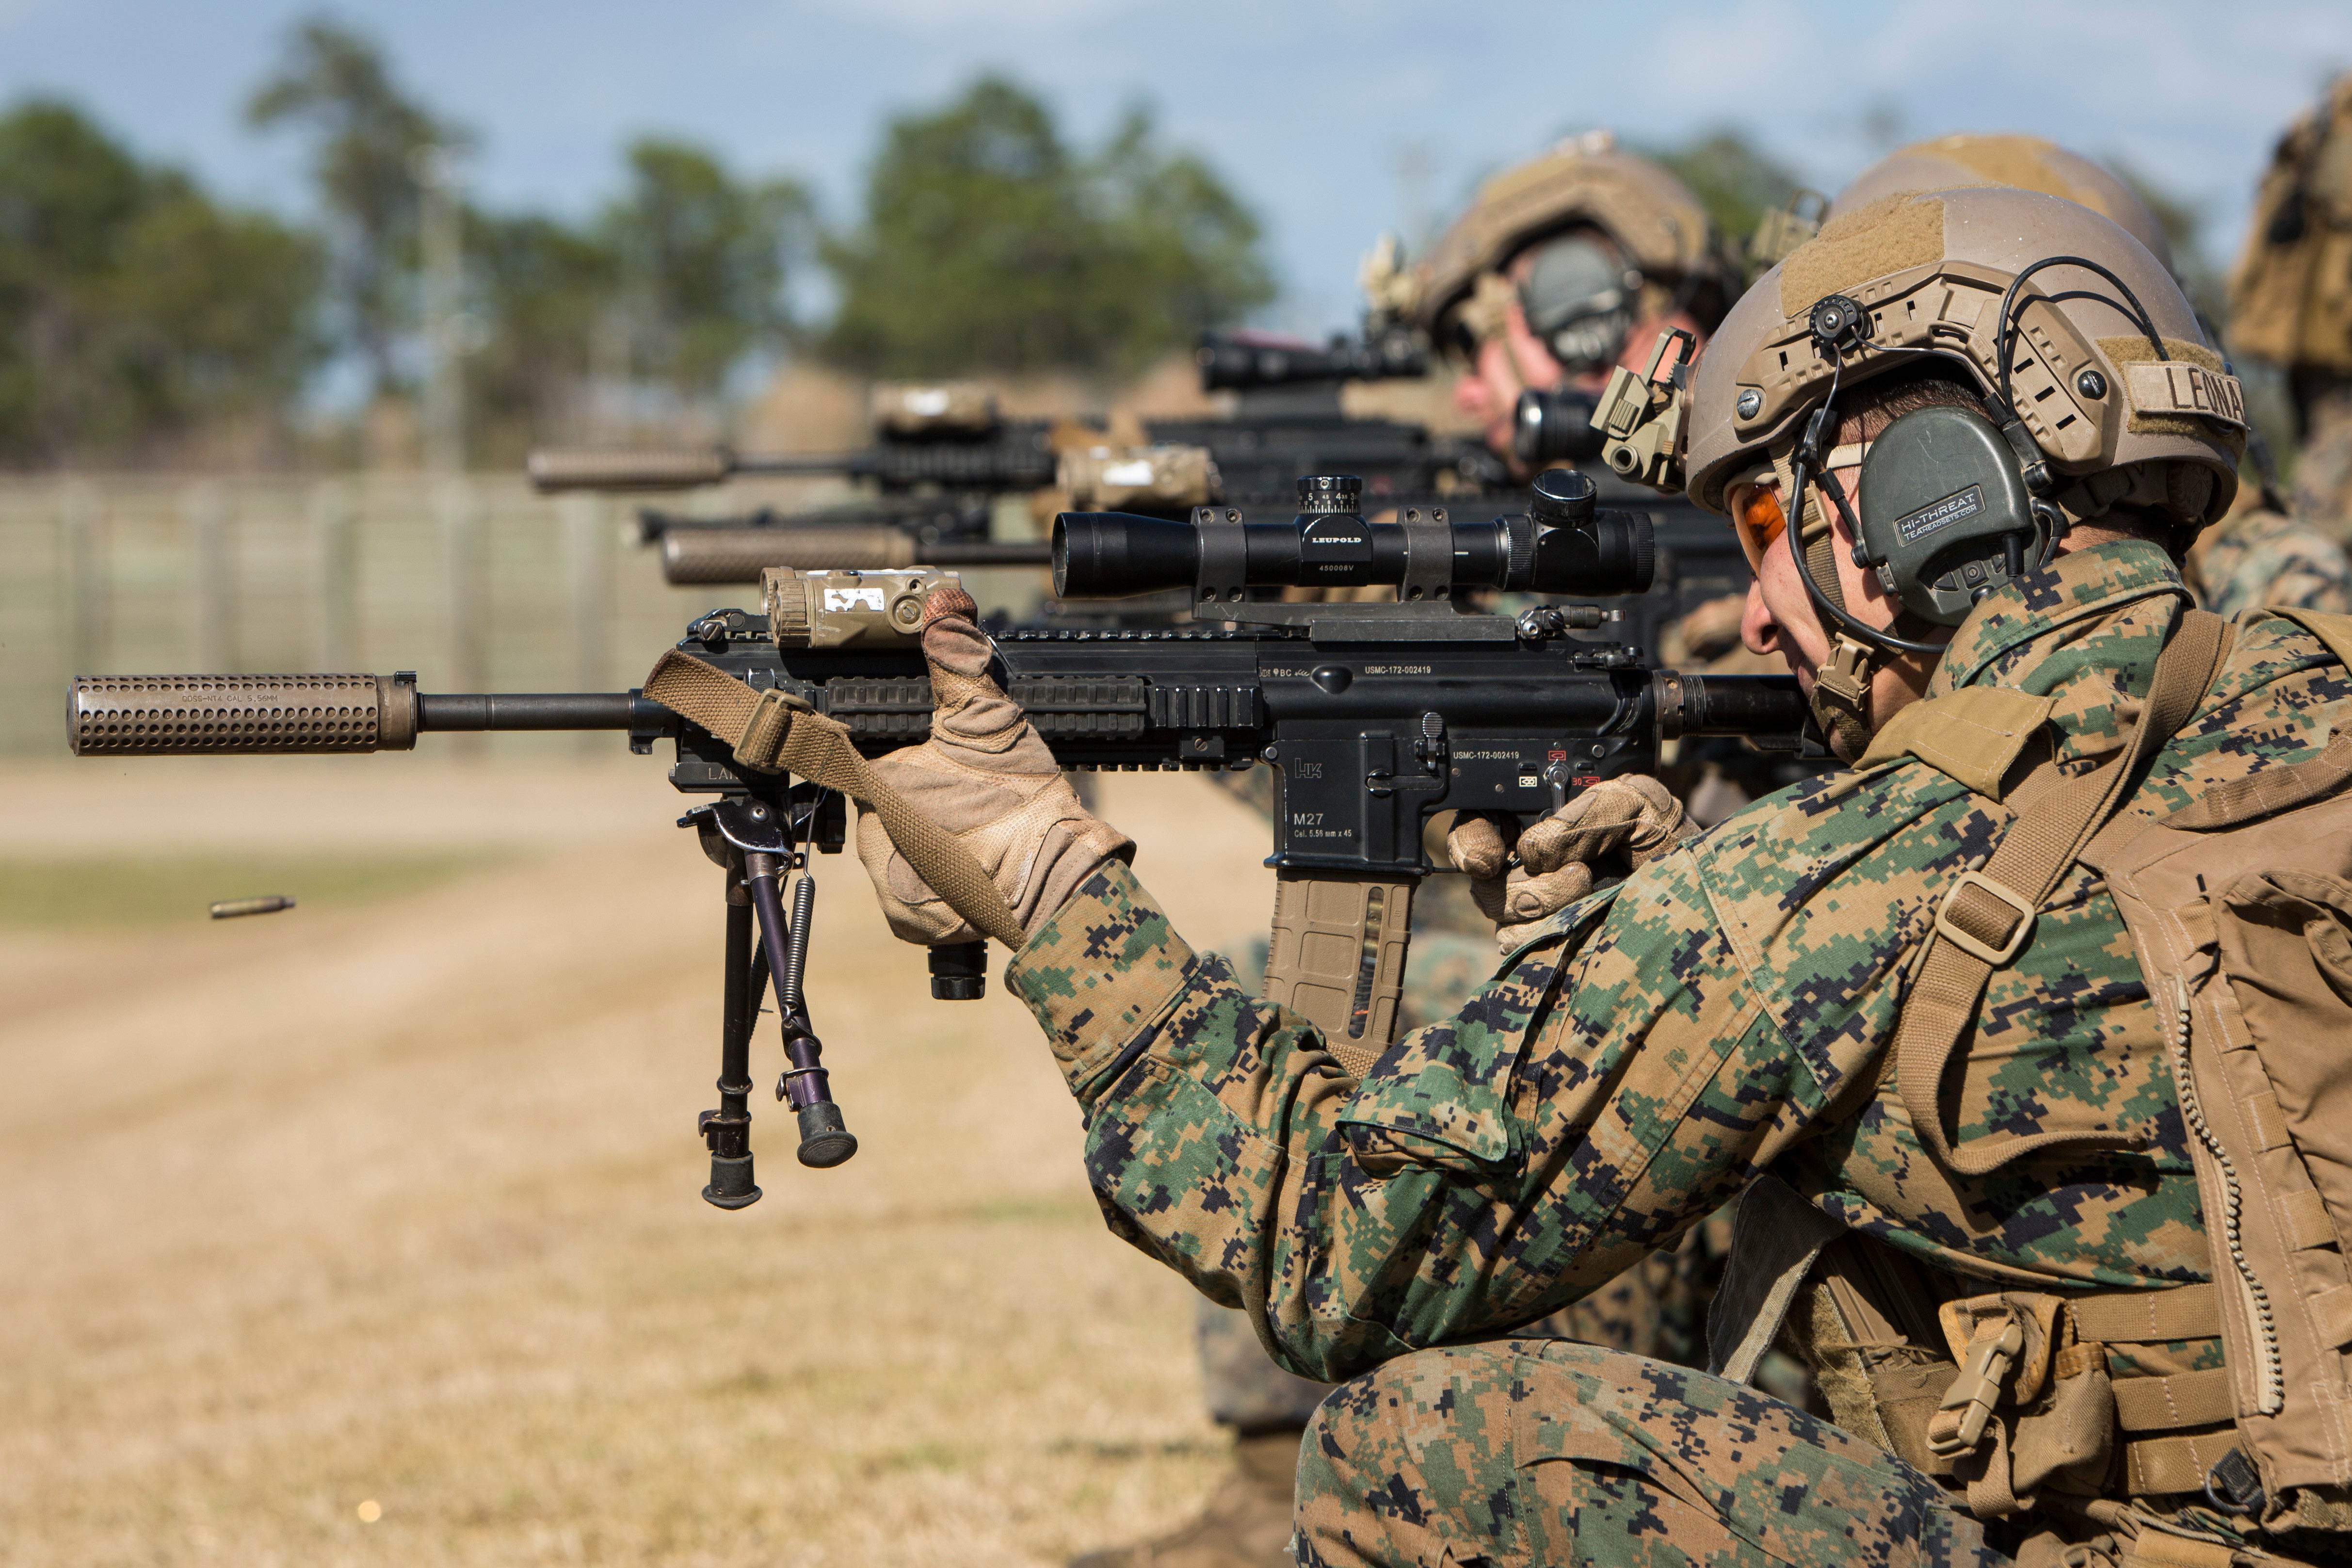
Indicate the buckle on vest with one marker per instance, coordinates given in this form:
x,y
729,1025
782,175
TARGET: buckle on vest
x,y
1973,946
2234,1486
1959,1424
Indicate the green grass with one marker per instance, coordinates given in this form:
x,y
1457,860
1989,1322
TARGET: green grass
x,y
147,891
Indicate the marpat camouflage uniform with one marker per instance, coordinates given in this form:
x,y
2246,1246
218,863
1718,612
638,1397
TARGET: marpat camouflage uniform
x,y
1655,1309
1724,1011
2258,557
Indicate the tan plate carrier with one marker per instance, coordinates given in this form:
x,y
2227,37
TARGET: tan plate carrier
x,y
2240,909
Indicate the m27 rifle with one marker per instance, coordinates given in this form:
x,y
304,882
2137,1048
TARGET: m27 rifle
x,y
1375,717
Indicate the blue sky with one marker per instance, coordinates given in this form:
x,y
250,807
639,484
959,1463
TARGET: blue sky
x,y
1307,104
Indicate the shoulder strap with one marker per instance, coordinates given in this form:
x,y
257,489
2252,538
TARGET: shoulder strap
x,y
773,731
2329,627
1989,914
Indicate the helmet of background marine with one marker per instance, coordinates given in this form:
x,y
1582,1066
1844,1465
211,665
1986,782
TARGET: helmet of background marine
x,y
2020,162
1616,238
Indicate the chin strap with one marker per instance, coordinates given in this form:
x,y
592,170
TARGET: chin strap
x,y
1841,696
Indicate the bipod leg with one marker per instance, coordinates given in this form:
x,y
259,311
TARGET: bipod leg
x,y
825,1139
728,1129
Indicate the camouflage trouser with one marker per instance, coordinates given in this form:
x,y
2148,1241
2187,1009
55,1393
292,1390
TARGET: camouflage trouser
x,y
1544,1452
1649,1310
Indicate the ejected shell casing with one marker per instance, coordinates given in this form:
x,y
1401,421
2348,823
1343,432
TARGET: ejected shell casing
x,y
230,908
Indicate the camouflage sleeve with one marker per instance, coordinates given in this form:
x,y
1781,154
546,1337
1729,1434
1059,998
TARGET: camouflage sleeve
x,y
1614,1084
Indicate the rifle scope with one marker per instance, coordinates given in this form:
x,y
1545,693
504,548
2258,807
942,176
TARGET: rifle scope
x,y
1555,426
1562,544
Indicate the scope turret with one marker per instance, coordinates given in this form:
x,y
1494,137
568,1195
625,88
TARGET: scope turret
x,y
1563,544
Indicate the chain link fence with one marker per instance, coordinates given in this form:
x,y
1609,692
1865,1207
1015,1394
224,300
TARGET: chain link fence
x,y
475,584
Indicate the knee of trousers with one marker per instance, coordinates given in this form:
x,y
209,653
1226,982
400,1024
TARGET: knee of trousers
x,y
1535,1450
1414,1459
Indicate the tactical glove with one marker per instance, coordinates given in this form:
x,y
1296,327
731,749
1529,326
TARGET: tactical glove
x,y
985,777
1634,815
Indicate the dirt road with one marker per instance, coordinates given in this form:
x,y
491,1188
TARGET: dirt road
x,y
391,1207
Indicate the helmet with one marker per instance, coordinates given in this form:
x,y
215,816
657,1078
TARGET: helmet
x,y
2102,388
2022,162
1666,250
2114,417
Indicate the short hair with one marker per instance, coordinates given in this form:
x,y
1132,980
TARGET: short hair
x,y
1865,411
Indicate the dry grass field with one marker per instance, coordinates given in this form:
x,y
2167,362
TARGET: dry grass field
x,y
370,1233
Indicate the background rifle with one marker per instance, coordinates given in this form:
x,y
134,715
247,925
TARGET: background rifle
x,y
891,530
1376,717
949,448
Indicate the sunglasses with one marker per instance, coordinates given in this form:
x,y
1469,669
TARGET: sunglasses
x,y
1757,516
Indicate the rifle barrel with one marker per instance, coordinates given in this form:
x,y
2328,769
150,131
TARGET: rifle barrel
x,y
532,710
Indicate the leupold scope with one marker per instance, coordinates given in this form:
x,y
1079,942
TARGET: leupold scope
x,y
1562,544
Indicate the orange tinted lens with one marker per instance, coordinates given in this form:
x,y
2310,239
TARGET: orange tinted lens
x,y
1760,521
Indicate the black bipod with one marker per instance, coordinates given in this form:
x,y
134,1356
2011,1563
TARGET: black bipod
x,y
752,839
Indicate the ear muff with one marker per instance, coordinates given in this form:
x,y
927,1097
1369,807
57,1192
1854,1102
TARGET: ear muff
x,y
1946,514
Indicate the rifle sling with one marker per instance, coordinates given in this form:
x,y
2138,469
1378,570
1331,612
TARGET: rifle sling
x,y
1988,915
773,731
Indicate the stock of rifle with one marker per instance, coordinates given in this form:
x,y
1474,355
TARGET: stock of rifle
x,y
1376,717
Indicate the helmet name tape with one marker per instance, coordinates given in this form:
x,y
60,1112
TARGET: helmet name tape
x,y
2173,386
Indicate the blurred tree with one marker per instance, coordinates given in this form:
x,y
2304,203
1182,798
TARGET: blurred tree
x,y
2183,222
989,245
703,258
365,131
68,194
1738,181
543,292
131,306
1179,250
218,308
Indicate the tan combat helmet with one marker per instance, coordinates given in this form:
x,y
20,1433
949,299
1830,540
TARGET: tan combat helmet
x,y
1668,244
2116,418
2083,346
2020,162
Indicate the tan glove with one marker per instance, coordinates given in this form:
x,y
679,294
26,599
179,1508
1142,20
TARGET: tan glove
x,y
986,777
1634,815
